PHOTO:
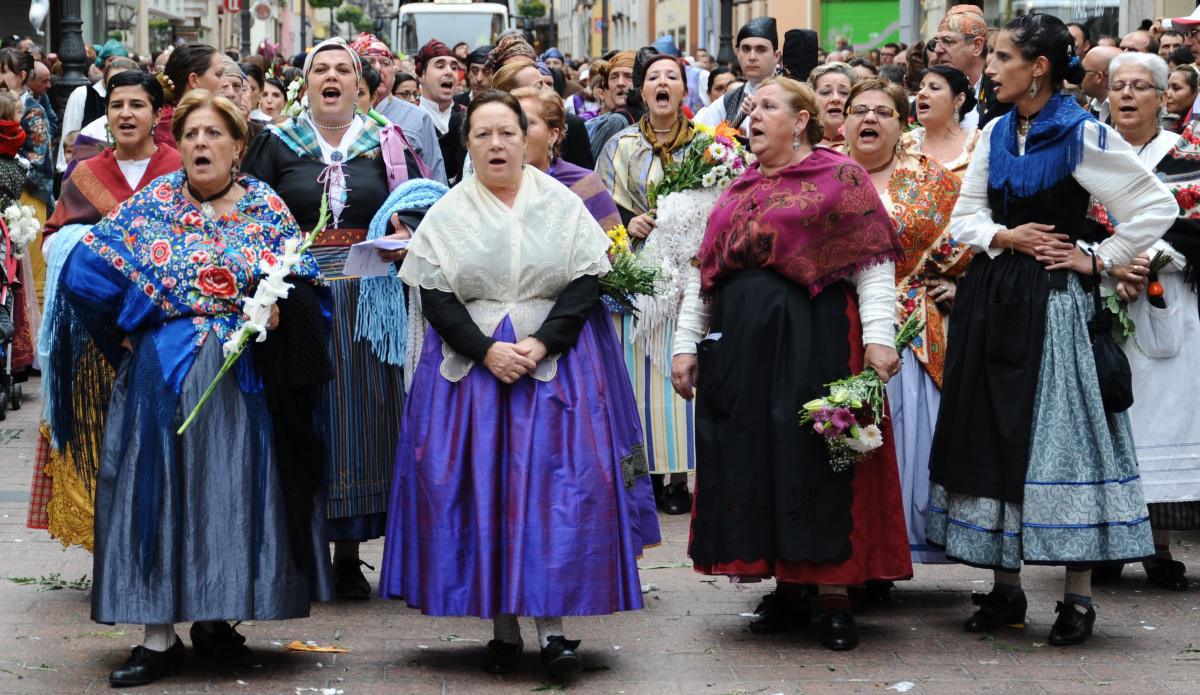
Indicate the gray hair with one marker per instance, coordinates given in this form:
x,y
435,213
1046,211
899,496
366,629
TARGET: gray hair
x,y
1157,67
839,67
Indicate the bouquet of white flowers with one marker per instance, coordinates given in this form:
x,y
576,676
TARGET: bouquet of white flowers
x,y
23,226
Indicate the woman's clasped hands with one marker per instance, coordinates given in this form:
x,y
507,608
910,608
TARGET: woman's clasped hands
x,y
508,362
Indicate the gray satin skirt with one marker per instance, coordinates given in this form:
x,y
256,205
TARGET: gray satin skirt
x,y
219,547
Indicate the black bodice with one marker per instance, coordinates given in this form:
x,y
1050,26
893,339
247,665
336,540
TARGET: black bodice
x,y
1064,205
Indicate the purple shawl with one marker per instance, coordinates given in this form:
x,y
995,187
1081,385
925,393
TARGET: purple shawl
x,y
590,189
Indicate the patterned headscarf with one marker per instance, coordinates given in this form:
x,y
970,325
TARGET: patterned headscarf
x,y
964,19
431,50
335,42
509,47
369,45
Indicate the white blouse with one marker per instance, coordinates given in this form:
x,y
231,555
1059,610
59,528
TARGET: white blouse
x,y
1114,177
876,287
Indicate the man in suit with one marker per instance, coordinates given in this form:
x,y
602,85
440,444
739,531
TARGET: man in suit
x,y
961,42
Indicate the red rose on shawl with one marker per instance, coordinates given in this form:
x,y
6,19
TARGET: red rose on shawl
x,y
275,203
216,281
160,252
269,257
1187,197
163,192
191,219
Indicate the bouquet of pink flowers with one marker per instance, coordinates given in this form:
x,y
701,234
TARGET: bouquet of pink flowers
x,y
850,414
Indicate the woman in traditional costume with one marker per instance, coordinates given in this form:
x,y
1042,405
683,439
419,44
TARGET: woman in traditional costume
x,y
919,194
945,98
832,83
630,164
67,461
1027,464
221,523
798,265
331,149
1165,349
520,439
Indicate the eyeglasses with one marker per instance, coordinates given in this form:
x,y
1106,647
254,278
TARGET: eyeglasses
x,y
1138,86
861,111
946,41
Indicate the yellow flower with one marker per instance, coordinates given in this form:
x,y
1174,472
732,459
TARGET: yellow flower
x,y
704,128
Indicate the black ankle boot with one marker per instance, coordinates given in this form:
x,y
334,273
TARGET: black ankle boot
x,y
1072,627
1167,574
777,612
997,610
145,666
349,583
676,499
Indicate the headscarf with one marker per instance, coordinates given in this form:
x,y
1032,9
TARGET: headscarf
x,y
368,44
431,50
235,70
553,52
337,42
759,28
964,19
666,44
479,56
681,134
111,49
509,46
543,68
624,59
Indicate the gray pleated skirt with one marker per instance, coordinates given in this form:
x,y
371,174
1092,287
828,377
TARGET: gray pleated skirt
x,y
219,547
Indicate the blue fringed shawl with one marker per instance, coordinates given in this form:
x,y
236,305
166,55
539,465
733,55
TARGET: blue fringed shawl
x,y
381,318
1053,148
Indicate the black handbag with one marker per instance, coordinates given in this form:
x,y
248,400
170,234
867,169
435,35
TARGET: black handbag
x,y
1112,367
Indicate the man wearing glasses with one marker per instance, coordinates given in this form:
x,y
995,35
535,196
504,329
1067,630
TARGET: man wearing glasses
x,y
961,42
1095,79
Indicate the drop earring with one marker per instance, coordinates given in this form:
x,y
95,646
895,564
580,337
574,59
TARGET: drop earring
x,y
796,141
550,154
1033,89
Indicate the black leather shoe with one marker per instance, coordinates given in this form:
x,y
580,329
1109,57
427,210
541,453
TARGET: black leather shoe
x,y
145,666
1107,574
559,657
1168,574
774,614
218,643
838,630
349,582
676,499
503,657
997,610
1072,627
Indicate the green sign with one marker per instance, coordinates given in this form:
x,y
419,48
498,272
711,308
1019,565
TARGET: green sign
x,y
866,24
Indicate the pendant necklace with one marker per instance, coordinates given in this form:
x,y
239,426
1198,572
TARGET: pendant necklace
x,y
206,205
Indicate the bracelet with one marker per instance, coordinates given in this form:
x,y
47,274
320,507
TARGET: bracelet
x,y
1011,242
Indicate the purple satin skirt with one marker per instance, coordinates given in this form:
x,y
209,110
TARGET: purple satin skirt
x,y
528,499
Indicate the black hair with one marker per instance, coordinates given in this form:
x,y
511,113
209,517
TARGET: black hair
x,y
185,60
494,96
15,60
404,77
959,84
297,60
893,45
254,72
137,78
232,54
864,63
277,84
372,76
641,62
1044,35
715,73
560,81
1181,56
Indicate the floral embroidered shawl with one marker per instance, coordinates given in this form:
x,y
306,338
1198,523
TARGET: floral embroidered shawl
x,y
814,223
920,197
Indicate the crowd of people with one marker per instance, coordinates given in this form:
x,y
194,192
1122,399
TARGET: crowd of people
x,y
1019,202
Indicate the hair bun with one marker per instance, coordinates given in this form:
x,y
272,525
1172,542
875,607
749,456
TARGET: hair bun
x,y
168,87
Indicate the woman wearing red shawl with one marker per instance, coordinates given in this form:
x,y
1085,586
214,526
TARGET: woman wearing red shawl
x,y
798,265
65,469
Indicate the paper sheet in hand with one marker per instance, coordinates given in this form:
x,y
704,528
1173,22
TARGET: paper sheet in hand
x,y
364,260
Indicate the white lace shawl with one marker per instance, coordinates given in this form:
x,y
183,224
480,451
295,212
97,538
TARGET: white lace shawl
x,y
681,220
500,261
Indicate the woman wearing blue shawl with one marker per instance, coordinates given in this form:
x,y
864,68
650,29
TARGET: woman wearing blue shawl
x,y
1027,465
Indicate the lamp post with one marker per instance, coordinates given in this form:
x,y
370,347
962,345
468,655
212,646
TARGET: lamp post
x,y
245,17
72,55
725,54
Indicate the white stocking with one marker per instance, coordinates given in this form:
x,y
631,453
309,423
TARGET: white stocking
x,y
160,638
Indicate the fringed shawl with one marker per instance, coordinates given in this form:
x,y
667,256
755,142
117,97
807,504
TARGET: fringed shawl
x,y
381,319
96,186
814,223
1053,148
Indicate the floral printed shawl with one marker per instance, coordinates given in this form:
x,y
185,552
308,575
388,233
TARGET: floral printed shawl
x,y
920,197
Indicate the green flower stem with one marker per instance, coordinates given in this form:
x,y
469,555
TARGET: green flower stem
x,y
322,220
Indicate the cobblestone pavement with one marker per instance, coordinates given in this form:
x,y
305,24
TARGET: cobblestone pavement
x,y
692,637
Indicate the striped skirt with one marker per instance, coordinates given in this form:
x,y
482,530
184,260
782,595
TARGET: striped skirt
x,y
360,415
668,421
